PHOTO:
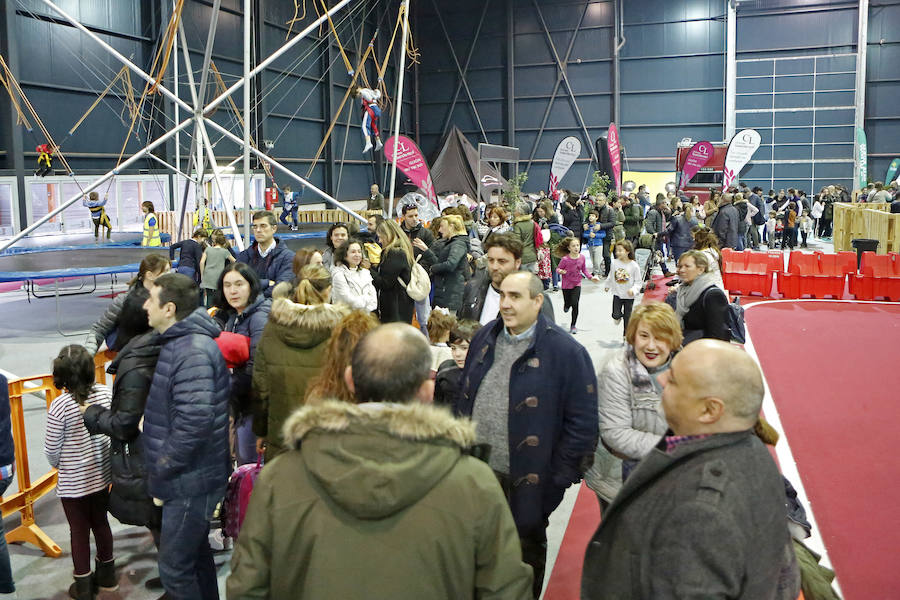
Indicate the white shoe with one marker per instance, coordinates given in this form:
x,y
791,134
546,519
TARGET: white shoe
x,y
378,144
368,147
617,321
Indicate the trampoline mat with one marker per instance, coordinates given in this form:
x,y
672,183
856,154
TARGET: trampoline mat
x,y
46,243
73,263
295,244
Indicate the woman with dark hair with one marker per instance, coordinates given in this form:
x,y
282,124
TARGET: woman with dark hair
x,y
150,237
496,222
337,234
352,284
700,304
706,242
150,268
133,368
245,311
290,354
83,464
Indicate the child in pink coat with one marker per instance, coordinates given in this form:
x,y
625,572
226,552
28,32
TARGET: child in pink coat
x,y
571,268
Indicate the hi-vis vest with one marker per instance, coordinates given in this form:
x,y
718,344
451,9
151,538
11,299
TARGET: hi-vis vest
x,y
151,232
203,217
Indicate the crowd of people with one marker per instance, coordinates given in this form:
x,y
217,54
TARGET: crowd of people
x,y
420,413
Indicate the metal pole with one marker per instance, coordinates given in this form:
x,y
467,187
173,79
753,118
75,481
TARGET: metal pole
x,y
730,69
207,146
275,55
134,158
859,120
177,115
174,168
247,116
287,171
399,97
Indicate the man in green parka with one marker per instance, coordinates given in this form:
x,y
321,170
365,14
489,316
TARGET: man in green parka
x,y
382,499
634,219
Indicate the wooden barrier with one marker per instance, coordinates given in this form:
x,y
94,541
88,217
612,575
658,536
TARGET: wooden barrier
x,y
168,220
30,491
862,220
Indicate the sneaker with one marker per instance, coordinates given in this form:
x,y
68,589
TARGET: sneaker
x,y
565,309
572,330
219,541
555,289
617,321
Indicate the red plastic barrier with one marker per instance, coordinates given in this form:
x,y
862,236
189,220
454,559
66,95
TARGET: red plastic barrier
x,y
748,272
816,275
879,277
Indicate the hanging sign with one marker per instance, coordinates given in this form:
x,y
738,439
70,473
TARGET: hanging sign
x,y
892,171
566,153
615,157
699,155
412,164
741,148
862,158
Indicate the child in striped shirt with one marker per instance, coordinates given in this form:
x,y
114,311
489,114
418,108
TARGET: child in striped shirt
x,y
84,468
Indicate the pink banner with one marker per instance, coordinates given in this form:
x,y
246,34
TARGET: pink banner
x,y
699,155
615,158
411,162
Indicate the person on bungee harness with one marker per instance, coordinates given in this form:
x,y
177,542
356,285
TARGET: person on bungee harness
x,y
98,213
371,114
45,159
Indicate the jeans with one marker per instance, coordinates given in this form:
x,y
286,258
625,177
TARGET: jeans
x,y
245,449
293,213
555,278
677,251
596,260
754,236
423,309
6,579
186,564
189,271
534,545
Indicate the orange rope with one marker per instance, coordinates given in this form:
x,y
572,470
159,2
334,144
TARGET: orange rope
x,y
5,80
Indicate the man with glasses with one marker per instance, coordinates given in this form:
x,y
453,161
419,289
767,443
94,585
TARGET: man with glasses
x,y
268,256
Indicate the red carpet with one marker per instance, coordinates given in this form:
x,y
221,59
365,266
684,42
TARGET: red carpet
x,y
565,580
833,374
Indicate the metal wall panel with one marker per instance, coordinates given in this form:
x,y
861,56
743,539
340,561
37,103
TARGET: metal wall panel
x,y
883,87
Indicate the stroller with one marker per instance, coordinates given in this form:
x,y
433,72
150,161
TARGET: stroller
x,y
647,260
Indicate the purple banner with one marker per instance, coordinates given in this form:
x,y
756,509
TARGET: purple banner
x,y
699,155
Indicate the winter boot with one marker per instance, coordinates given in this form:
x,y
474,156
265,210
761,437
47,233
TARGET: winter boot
x,y
105,575
83,588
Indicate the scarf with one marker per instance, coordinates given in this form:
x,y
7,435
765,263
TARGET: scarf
x,y
687,294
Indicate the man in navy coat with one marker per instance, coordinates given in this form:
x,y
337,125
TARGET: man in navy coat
x,y
532,391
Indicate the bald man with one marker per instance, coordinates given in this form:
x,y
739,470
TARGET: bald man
x,y
379,499
703,515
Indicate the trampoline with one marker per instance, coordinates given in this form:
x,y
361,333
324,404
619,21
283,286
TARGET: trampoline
x,y
48,243
32,268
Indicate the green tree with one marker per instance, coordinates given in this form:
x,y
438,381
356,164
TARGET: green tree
x,y
513,191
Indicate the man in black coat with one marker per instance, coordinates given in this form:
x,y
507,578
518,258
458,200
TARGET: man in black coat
x,y
703,515
759,219
726,223
532,391
481,296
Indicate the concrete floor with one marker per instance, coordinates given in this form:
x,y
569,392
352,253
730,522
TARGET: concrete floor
x,y
28,343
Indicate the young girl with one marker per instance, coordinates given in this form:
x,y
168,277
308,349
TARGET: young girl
x,y
624,280
769,230
571,267
545,264
212,264
806,227
84,468
440,324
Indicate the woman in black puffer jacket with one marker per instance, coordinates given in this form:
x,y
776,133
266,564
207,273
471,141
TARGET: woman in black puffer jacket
x,y
129,500
450,269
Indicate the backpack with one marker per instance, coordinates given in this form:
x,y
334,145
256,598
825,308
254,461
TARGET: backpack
x,y
237,496
419,285
734,319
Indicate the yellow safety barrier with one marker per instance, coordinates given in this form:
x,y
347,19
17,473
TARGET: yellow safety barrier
x,y
29,492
